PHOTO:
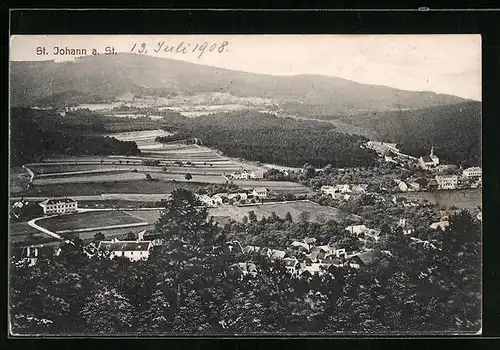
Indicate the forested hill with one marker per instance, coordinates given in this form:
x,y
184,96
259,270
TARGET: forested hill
x,y
98,78
453,130
285,141
36,134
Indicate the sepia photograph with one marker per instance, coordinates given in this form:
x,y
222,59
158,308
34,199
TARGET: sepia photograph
x,y
245,185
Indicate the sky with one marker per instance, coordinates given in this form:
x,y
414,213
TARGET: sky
x,y
449,64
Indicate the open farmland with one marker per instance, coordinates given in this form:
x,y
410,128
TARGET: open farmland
x,y
88,220
119,174
316,211
111,188
22,234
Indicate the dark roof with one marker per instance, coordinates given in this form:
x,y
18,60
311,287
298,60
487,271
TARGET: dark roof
x,y
124,245
427,159
57,200
366,257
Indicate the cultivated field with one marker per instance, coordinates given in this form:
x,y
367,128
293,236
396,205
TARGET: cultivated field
x,y
120,174
111,188
88,220
21,233
316,211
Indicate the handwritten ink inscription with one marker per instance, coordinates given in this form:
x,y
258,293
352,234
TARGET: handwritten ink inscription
x,y
182,47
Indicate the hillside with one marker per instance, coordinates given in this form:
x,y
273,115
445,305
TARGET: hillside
x,y
100,78
284,141
36,134
453,130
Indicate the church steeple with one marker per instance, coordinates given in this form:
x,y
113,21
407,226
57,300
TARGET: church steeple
x,y
432,151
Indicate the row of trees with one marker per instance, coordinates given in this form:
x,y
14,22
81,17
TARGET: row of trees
x,y
189,287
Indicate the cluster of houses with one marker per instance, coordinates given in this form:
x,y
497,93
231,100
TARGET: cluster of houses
x,y
242,175
236,197
302,258
344,191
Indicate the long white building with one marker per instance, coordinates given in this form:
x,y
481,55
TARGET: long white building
x,y
59,206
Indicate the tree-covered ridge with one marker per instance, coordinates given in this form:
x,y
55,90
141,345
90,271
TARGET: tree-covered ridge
x,y
285,141
454,130
188,286
36,134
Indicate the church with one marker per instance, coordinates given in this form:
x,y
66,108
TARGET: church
x,y
428,162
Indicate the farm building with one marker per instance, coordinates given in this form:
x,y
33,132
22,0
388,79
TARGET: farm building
x,y
243,175
259,192
133,250
59,206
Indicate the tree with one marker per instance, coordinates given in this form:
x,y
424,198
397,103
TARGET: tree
x,y
188,176
288,217
155,318
193,244
131,236
99,236
304,216
252,217
149,177
108,312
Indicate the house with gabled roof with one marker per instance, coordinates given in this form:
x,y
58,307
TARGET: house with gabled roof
x,y
133,250
362,259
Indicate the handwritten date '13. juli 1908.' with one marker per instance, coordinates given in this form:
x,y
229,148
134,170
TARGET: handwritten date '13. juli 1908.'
x,y
182,47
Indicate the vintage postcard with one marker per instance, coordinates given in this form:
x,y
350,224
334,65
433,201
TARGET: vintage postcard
x,y
245,185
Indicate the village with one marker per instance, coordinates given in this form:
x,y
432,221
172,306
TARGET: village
x,y
302,258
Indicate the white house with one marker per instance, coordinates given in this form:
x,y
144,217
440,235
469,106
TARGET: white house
x,y
275,254
133,250
59,206
472,172
242,195
206,199
357,229
259,192
301,245
440,224
328,190
403,186
218,198
446,182
333,190
30,255
413,186
359,188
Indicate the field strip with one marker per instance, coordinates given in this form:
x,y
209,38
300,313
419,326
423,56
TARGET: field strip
x,y
103,228
83,172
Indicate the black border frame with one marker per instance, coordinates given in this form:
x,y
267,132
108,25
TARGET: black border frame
x,y
230,21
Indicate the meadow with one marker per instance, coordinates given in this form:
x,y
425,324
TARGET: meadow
x,y
88,220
